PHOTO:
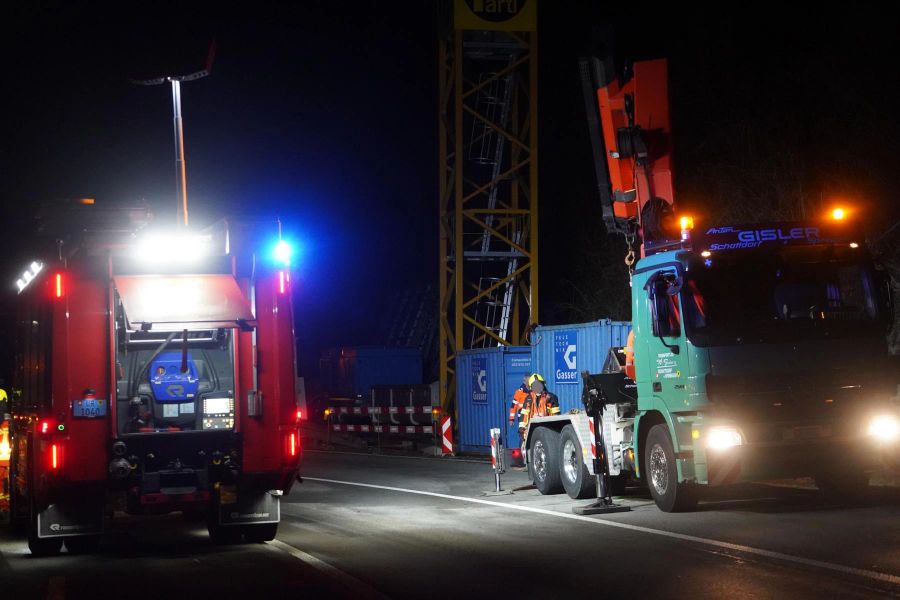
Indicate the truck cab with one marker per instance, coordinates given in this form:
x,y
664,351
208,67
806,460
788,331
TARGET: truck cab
x,y
760,352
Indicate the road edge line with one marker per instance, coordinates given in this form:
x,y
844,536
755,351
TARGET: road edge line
x,y
354,585
809,562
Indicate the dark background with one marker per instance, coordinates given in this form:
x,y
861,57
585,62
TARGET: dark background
x,y
325,114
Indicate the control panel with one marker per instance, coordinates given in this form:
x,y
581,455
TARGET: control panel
x,y
218,413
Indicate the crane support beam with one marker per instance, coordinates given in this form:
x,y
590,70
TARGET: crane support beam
x,y
488,165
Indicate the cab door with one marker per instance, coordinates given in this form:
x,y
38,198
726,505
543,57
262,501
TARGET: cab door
x,y
666,358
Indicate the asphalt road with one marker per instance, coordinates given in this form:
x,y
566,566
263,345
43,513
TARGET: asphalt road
x,y
364,526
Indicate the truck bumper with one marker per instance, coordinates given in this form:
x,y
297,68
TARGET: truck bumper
x,y
773,461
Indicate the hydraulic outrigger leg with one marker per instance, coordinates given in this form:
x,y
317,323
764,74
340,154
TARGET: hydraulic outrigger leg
x,y
594,405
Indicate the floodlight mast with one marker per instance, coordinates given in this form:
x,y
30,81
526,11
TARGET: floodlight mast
x,y
180,171
181,202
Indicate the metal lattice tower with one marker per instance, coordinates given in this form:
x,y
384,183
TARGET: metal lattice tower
x,y
488,180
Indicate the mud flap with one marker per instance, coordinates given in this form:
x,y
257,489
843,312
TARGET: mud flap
x,y
252,509
59,520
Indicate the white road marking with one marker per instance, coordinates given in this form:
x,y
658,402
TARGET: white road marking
x,y
455,459
354,585
809,562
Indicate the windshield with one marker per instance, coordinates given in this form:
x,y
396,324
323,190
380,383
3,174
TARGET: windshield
x,y
795,293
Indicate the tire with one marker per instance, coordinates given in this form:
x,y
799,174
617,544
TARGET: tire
x,y
45,546
221,536
257,534
543,453
576,478
218,533
662,473
83,544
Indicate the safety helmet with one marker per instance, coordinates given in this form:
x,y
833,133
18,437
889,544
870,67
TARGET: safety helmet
x,y
535,377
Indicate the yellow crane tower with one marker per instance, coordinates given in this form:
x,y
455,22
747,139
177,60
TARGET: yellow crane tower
x,y
488,178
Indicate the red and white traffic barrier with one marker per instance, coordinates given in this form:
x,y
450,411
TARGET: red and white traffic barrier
x,y
386,410
384,428
593,439
446,435
493,451
496,458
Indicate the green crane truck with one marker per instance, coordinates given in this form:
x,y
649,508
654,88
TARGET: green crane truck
x,y
759,351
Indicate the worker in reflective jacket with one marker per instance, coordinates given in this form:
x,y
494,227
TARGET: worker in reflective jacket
x,y
518,401
539,403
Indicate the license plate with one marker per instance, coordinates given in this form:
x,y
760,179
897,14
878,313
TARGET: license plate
x,y
89,408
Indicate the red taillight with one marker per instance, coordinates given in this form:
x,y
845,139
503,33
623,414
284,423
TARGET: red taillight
x,y
45,426
56,456
299,414
59,285
291,445
516,453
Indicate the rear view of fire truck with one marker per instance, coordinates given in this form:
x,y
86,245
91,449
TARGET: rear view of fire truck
x,y
156,375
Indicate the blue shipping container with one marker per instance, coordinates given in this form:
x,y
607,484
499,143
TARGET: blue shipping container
x,y
486,379
561,352
358,368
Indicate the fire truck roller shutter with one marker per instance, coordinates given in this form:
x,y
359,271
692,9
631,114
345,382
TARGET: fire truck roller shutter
x,y
176,302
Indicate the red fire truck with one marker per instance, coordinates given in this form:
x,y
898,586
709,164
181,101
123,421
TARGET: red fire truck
x,y
154,372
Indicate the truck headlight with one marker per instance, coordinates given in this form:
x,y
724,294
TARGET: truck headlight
x,y
721,437
885,428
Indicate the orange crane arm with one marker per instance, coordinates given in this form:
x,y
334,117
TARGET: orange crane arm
x,y
631,137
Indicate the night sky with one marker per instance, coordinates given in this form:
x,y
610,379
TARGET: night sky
x,y
324,113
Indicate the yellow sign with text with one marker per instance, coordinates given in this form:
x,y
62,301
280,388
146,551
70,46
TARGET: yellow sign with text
x,y
496,15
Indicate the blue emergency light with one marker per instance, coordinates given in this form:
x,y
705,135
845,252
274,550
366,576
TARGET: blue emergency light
x,y
282,252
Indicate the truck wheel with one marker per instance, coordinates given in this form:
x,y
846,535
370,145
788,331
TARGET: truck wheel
x,y
264,532
218,533
544,460
579,483
83,544
662,473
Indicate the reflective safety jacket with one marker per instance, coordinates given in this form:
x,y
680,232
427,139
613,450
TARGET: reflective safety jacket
x,y
5,450
629,356
518,402
546,404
